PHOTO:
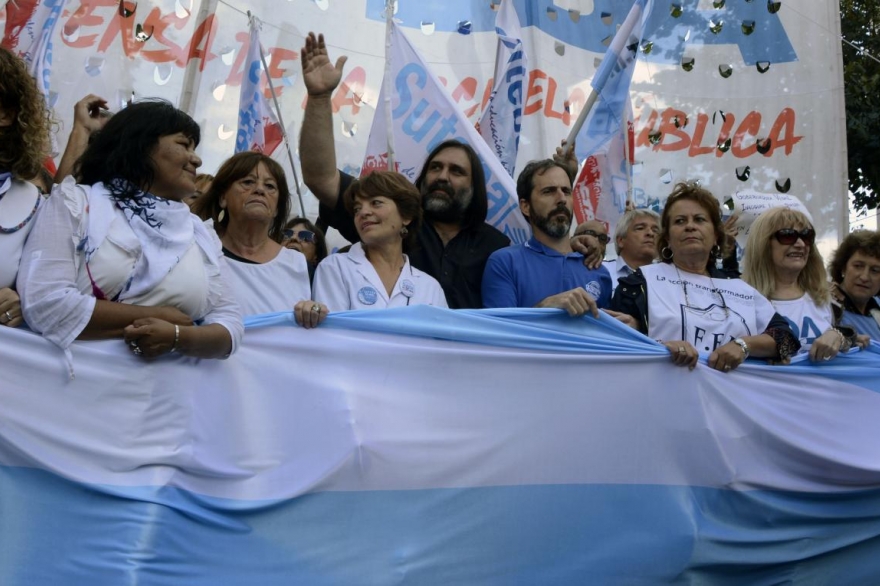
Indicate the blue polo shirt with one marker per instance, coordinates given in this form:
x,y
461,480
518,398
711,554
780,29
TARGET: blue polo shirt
x,y
525,274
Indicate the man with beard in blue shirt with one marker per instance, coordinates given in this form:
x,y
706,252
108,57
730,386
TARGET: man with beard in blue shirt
x,y
545,271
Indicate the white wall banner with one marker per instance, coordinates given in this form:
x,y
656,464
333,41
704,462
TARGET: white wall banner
x,y
739,95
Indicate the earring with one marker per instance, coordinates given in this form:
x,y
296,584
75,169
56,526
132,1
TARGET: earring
x,y
715,252
221,216
666,253
404,232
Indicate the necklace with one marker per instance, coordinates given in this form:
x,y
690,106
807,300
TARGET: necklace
x,y
715,290
8,177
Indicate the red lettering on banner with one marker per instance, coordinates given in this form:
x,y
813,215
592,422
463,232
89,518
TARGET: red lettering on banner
x,y
236,74
672,125
670,136
782,133
644,135
84,17
467,89
726,129
549,112
530,107
351,91
696,149
750,126
204,33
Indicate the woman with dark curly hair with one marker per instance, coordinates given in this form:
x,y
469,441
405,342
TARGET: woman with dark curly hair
x,y
248,202
24,136
121,256
375,273
855,272
688,305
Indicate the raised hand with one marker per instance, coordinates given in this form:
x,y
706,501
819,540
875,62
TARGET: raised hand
x,y
319,74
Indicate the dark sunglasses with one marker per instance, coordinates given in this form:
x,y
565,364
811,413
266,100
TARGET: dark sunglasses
x,y
301,235
603,238
788,236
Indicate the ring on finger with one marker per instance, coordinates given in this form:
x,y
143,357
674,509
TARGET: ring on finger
x,y
726,367
681,350
136,350
8,315
316,308
827,358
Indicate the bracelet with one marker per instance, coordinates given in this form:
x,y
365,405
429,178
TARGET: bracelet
x,y
845,342
176,338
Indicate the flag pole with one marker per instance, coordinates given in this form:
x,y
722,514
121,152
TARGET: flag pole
x,y
627,153
604,71
386,83
579,123
284,134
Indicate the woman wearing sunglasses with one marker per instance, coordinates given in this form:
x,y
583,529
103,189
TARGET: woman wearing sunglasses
x,y
782,263
690,306
855,271
302,235
249,202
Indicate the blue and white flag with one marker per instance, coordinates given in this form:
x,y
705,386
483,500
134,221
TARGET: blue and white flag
x,y
612,81
258,127
428,446
424,115
502,119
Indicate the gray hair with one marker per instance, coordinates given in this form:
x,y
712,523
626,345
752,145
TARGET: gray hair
x,y
627,219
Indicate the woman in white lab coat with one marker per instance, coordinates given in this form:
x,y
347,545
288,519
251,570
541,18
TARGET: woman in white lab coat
x,y
376,272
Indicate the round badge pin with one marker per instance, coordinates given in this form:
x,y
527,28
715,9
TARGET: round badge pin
x,y
367,295
407,288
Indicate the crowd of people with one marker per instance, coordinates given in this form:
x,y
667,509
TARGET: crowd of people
x,y
133,244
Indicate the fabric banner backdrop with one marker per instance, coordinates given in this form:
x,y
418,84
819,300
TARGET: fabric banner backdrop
x,y
712,78
426,446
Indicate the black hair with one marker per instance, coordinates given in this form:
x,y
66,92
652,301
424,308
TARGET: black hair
x,y
122,148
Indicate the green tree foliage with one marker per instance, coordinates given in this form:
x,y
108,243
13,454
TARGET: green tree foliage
x,y
860,25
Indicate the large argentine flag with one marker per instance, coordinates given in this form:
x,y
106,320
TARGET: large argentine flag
x,y
426,446
423,115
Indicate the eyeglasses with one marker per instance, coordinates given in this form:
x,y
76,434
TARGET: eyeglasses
x,y
603,238
301,235
788,236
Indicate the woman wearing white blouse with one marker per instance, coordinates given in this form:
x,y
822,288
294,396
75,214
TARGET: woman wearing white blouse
x,y
375,273
120,256
24,135
249,202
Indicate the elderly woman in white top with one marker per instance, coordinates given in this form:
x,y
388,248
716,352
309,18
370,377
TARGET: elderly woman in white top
x,y
120,255
375,273
783,264
24,135
249,203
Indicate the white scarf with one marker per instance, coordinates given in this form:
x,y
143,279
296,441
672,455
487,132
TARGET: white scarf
x,y
165,230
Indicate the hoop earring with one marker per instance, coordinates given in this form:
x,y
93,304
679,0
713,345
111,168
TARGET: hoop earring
x,y
666,253
715,252
404,232
221,216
